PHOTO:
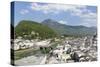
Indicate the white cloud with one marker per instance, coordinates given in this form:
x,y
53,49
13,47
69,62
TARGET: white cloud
x,y
89,22
88,17
24,11
54,8
63,22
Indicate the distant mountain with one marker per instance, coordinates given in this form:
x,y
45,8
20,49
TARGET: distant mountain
x,y
32,29
68,30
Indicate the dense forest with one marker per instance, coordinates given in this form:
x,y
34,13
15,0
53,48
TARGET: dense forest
x,y
31,29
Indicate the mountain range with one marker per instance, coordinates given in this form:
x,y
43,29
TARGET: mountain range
x,y
69,30
51,28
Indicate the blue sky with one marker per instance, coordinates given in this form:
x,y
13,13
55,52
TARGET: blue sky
x,y
63,13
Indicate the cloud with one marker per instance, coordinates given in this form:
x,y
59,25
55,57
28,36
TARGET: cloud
x,y
89,22
54,8
88,18
24,11
63,22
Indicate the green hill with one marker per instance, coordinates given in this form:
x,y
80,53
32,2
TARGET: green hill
x,y
31,29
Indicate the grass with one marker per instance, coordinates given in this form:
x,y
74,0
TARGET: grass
x,y
25,53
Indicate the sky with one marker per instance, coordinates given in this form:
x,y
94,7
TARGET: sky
x,y
63,13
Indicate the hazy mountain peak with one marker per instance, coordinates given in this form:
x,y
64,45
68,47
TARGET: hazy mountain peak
x,y
68,29
49,21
